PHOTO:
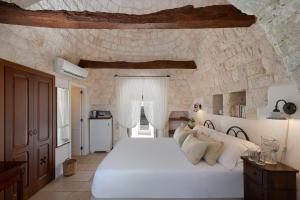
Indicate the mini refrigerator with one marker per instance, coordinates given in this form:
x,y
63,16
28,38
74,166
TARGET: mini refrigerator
x,y
101,136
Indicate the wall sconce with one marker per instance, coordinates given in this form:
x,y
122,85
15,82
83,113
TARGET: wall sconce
x,y
289,108
197,107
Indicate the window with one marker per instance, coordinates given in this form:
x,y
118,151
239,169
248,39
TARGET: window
x,y
143,129
63,116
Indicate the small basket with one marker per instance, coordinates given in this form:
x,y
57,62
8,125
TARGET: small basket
x,y
69,167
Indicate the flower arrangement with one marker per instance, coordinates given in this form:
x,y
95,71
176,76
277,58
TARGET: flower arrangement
x,y
191,122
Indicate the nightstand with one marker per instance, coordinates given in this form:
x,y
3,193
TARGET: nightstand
x,y
269,182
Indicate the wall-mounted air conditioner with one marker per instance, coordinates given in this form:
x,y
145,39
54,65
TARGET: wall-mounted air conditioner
x,y
64,67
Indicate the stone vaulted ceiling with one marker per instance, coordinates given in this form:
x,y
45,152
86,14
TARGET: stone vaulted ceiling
x,y
227,59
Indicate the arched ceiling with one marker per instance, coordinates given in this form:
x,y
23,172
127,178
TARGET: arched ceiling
x,y
281,23
279,19
223,56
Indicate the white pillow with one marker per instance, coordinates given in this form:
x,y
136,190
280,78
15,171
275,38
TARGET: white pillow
x,y
196,127
206,131
194,149
217,135
249,145
231,154
234,147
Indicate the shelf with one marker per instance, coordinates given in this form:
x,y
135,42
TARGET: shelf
x,y
237,104
179,119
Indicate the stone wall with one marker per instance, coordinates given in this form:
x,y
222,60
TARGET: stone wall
x,y
101,85
280,21
232,60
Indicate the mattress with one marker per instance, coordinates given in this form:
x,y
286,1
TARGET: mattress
x,y
157,168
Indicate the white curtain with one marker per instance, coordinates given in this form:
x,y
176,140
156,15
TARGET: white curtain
x,y
128,103
130,94
155,95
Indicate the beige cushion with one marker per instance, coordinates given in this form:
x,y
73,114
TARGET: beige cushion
x,y
180,134
214,149
187,128
194,149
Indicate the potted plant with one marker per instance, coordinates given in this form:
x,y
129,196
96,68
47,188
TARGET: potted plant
x,y
191,123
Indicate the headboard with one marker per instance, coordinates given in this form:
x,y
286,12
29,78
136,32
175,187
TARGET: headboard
x,y
236,131
209,124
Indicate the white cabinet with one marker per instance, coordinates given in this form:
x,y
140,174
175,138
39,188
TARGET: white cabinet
x,y
100,135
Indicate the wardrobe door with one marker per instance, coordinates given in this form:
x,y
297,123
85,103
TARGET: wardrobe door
x,y
19,108
43,129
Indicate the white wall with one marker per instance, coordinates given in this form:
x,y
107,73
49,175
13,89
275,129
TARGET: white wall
x,y
255,128
61,154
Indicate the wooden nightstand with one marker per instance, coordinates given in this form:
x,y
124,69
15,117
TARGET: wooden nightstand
x,y
269,182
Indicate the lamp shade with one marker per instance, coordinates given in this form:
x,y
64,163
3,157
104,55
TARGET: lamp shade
x,y
277,115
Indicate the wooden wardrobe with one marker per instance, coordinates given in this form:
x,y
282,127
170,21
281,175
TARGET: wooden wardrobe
x,y
29,122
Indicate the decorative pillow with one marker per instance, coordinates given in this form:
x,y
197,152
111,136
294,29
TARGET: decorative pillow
x,y
214,149
206,131
231,155
234,147
180,134
187,128
220,136
232,152
247,144
196,127
194,149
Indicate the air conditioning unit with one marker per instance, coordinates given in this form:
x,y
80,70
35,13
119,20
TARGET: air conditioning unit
x,y
64,67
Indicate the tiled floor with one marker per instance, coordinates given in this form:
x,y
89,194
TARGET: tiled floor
x,y
76,187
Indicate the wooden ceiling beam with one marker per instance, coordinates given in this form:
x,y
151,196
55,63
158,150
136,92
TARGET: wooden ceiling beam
x,y
157,64
187,17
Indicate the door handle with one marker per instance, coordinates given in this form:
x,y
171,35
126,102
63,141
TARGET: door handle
x,y
35,132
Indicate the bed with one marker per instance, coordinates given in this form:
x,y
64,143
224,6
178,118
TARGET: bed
x,y
157,168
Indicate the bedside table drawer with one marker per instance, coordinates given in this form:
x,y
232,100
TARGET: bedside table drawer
x,y
254,173
280,180
253,191
269,182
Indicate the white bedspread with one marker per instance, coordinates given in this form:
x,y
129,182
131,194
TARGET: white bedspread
x,y
156,168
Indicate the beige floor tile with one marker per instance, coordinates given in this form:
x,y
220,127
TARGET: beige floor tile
x,y
87,167
47,195
52,185
80,176
76,187
80,196
65,186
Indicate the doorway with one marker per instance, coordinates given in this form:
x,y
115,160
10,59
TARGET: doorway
x,y
77,120
144,128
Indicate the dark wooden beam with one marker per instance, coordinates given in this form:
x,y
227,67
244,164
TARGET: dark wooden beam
x,y
157,64
217,16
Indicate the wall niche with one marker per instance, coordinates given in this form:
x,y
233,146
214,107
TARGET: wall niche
x,y
218,104
237,104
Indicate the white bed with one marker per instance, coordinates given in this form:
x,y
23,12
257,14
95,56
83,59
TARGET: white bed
x,y
157,168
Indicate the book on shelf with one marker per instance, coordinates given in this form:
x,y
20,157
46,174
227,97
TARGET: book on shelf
x,y
239,111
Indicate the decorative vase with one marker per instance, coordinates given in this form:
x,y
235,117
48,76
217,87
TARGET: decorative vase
x,y
270,147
